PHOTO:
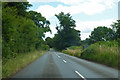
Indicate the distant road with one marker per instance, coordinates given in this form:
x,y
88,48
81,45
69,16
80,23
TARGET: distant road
x,y
58,65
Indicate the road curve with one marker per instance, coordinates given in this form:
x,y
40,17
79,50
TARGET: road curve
x,y
58,65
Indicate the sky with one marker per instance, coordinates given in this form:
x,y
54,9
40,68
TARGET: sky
x,y
88,14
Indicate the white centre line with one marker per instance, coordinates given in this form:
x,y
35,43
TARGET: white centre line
x,y
80,75
64,61
59,56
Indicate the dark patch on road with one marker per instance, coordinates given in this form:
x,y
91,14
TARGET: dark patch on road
x,y
51,70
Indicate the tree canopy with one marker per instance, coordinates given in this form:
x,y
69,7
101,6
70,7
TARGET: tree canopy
x,y
116,28
102,33
22,30
67,35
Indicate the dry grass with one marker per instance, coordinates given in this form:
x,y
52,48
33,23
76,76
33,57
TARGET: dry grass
x,y
75,51
13,65
106,53
101,52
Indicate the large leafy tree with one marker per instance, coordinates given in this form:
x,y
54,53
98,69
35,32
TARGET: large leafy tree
x,y
67,35
42,23
102,33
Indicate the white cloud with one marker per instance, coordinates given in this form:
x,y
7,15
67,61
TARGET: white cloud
x,y
84,35
46,10
54,31
77,2
90,25
89,7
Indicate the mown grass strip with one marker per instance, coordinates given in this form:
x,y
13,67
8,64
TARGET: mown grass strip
x,y
11,66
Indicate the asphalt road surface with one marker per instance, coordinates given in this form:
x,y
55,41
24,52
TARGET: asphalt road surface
x,y
58,65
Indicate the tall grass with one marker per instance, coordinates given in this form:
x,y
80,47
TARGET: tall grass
x,y
101,52
73,51
11,66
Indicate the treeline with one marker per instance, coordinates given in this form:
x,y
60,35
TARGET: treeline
x,y
66,35
22,30
103,33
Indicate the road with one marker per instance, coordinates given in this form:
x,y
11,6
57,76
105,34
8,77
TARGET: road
x,y
58,65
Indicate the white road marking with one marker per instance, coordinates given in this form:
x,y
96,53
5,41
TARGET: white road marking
x,y
80,75
59,56
64,61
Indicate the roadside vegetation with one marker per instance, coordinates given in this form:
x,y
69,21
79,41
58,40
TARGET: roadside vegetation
x,y
13,65
102,46
73,51
101,52
23,32
22,36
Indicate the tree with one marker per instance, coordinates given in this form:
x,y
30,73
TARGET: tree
x,y
67,35
101,33
40,21
49,42
20,32
116,28
20,7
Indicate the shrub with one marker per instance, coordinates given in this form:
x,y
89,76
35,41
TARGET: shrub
x,y
102,52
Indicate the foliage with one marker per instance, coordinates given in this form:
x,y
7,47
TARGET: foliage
x,y
73,51
40,21
13,65
116,27
67,35
20,32
20,7
102,52
101,33
49,42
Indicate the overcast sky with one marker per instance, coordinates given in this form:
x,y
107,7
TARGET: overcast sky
x,y
88,14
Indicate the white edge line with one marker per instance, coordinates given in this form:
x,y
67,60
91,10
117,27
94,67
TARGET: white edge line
x,y
80,75
64,61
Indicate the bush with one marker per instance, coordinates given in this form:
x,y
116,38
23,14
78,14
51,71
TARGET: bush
x,y
44,47
102,52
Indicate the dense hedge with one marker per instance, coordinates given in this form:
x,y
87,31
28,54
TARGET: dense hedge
x,y
21,30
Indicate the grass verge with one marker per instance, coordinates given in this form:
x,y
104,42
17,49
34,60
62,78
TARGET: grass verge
x,y
11,66
73,51
101,52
